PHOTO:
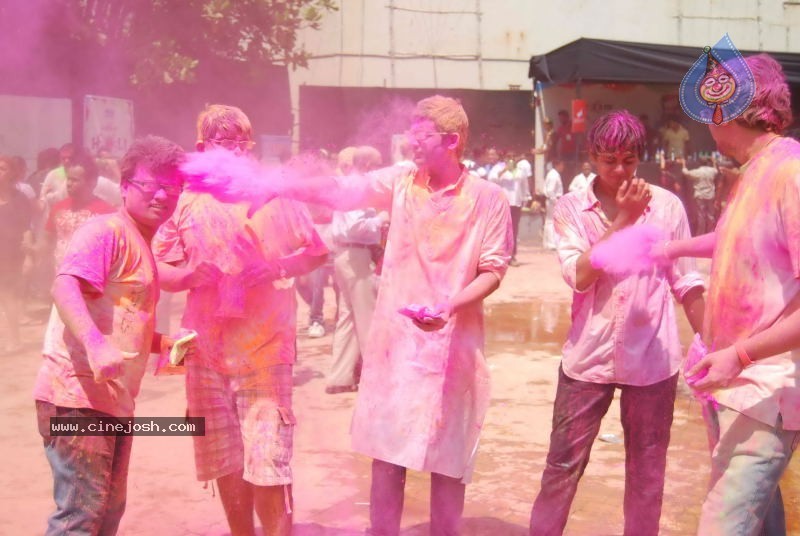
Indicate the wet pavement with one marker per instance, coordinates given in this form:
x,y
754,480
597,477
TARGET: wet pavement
x,y
527,321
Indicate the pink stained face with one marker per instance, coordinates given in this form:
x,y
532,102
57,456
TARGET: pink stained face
x,y
615,168
151,199
78,183
718,86
429,145
721,135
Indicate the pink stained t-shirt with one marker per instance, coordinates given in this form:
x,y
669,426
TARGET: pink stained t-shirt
x,y
259,330
624,329
423,395
65,219
755,273
113,258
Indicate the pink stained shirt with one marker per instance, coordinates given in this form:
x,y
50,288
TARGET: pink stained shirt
x,y
109,254
65,219
755,273
423,395
240,330
624,329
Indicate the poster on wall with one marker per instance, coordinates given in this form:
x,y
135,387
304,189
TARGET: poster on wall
x,y
578,116
107,124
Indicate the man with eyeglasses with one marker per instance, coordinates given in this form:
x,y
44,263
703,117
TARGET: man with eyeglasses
x,y
96,347
238,271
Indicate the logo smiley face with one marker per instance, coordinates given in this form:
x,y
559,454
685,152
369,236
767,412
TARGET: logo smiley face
x,y
718,86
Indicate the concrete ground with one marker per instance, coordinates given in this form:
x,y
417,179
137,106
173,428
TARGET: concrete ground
x,y
527,321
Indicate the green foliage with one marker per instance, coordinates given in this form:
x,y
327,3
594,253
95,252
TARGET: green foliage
x,y
164,41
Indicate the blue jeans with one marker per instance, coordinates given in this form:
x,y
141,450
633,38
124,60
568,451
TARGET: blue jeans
x,y
90,475
311,288
646,414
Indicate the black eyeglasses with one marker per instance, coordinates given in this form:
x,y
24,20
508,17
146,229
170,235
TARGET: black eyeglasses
x,y
151,187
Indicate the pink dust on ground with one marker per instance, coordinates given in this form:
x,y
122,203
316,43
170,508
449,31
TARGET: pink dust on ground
x,y
627,252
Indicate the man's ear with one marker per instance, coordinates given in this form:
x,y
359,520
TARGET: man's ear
x,y
452,145
200,146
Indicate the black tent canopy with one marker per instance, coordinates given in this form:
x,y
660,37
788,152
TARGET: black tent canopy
x,y
598,60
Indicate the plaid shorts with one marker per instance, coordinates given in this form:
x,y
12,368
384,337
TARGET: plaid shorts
x,y
249,423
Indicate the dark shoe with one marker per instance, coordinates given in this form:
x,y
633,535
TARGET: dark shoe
x,y
336,389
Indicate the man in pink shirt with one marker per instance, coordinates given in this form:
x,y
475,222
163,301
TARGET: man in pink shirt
x,y
80,204
239,272
623,336
96,347
752,323
424,387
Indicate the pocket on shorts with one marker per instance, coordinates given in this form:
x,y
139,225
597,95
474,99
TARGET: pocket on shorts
x,y
284,435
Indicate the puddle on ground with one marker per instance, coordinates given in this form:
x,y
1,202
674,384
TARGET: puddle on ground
x,y
537,322
541,322
544,324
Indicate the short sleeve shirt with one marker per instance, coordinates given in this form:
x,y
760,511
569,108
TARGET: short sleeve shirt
x,y
113,259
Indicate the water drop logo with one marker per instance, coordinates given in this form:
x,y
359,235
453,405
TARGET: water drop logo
x,y
719,86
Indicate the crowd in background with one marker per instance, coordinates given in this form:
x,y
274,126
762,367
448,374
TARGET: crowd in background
x,y
40,209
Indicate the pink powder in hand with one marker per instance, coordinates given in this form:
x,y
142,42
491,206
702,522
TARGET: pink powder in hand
x,y
627,252
697,351
420,313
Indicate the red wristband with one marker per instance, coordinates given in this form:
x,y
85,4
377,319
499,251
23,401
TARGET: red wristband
x,y
744,359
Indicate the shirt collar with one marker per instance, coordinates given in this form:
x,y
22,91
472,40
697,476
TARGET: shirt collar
x,y
422,179
588,200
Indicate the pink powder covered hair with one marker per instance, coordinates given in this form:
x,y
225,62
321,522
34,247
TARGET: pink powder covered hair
x,y
617,131
771,109
223,122
448,115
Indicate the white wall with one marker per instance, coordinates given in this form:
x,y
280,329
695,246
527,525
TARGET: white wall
x,y
30,124
486,44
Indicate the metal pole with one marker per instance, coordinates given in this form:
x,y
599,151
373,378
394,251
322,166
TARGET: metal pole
x,y
478,15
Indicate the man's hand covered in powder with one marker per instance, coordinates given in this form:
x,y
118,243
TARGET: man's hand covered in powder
x,y
106,361
427,318
720,369
697,351
632,198
205,274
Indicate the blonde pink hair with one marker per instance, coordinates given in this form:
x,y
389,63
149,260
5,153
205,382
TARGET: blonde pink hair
x,y
448,115
771,109
220,121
